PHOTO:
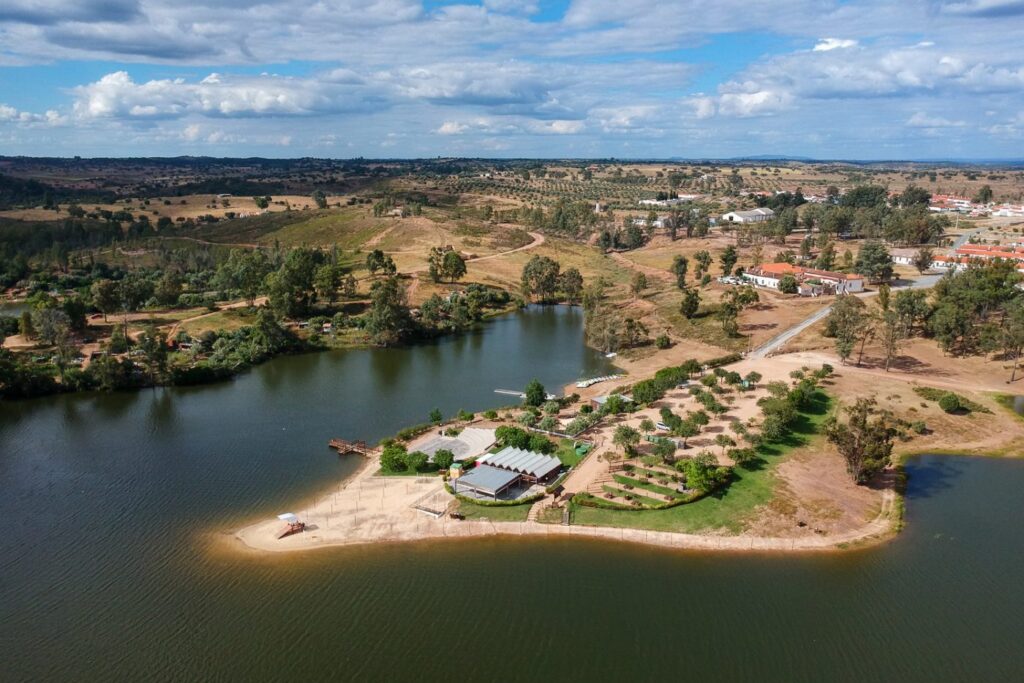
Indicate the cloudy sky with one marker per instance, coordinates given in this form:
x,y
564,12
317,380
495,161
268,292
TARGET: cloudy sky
x,y
851,79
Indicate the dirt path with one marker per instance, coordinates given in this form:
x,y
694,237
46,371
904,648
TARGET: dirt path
x,y
379,237
244,245
259,301
538,239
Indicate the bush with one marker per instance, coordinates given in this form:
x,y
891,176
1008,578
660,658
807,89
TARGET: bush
x,y
416,460
950,402
491,414
444,458
919,427
662,342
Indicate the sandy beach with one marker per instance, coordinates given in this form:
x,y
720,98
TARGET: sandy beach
x,y
368,508
372,509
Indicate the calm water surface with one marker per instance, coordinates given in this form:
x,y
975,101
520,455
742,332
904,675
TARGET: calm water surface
x,y
117,563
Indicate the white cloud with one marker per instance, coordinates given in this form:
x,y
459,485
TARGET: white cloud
x,y
923,120
452,128
116,95
827,44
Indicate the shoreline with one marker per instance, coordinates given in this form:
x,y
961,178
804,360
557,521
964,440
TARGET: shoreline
x,y
366,508
876,532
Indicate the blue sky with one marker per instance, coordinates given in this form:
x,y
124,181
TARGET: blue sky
x,y
570,78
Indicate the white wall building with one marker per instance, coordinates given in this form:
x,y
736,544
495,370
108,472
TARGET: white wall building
x,y
752,216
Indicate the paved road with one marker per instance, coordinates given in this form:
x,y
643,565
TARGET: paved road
x,y
773,344
962,239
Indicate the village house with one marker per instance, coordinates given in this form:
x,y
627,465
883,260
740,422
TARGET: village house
x,y
810,281
1009,211
988,251
752,216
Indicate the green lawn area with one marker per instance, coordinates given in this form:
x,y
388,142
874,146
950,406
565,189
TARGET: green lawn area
x,y
500,513
567,454
1008,401
651,486
622,493
729,508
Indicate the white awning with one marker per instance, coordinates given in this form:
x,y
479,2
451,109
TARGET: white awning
x,y
288,517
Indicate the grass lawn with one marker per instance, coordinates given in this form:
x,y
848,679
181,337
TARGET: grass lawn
x,y
550,515
567,454
1008,401
649,486
228,321
500,513
727,509
633,495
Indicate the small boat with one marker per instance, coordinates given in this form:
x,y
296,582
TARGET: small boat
x,y
294,525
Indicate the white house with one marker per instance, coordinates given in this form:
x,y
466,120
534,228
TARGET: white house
x,y
752,216
811,281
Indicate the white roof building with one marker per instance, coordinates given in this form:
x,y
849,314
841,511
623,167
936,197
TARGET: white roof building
x,y
752,216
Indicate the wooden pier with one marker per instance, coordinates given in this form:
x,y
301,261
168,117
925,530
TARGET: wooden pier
x,y
357,447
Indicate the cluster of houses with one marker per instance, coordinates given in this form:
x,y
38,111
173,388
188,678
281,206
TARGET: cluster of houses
x,y
810,281
964,256
949,203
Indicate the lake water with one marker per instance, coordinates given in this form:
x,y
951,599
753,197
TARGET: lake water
x,y
117,561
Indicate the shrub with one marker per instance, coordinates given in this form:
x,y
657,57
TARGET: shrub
x,y
950,402
662,342
919,427
444,458
491,414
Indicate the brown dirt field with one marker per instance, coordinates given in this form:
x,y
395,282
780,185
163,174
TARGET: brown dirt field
x,y
196,205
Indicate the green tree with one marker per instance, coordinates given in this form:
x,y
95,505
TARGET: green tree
x,y
984,195
320,199
891,332
923,259
436,416
535,393
626,438
291,287
153,345
864,441
873,262
728,260
388,321
327,280
443,458
691,303
679,267
884,292
788,284
50,324
392,458
703,259
845,324
1013,334
416,461
454,266
106,297
571,284
732,304
540,278
168,288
